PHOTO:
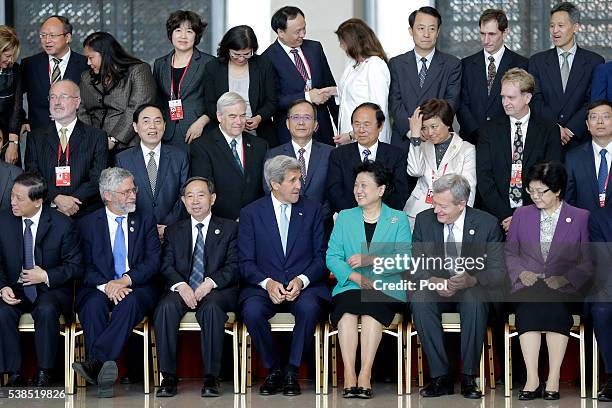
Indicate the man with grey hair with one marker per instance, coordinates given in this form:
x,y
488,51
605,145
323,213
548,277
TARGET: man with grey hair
x,y
280,272
230,157
468,244
121,253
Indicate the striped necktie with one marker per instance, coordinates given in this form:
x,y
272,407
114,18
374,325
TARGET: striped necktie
x,y
56,74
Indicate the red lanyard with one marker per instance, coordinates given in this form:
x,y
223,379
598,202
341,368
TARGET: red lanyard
x,y
434,174
181,80
59,153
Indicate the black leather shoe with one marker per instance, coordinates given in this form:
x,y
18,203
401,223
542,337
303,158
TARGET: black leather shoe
x,y
291,386
16,380
106,379
130,379
211,386
551,395
273,383
605,395
469,389
530,395
89,370
351,392
43,379
364,393
167,387
438,386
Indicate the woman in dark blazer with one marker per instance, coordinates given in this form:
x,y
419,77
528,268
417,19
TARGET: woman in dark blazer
x,y
240,70
185,30
10,95
113,88
548,264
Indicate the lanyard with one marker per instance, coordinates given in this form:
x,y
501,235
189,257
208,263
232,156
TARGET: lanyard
x,y
59,153
180,81
433,174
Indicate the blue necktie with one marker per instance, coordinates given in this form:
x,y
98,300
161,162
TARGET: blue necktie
x,y
603,171
28,258
423,71
119,252
197,266
366,154
283,226
233,144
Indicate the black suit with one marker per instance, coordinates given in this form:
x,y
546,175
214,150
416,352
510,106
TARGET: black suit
x,y
478,106
211,157
57,251
221,265
36,83
8,173
494,159
88,157
341,179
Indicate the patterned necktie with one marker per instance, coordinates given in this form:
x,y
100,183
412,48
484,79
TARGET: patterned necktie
x,y
28,258
302,164
516,193
299,64
602,175
366,154
490,74
423,72
283,226
63,138
152,171
451,245
119,252
197,266
565,69
56,74
233,144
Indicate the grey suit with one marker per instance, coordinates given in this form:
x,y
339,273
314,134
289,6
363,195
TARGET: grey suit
x,y
8,173
443,81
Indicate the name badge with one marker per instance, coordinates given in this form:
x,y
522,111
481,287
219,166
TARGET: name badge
x,y
62,176
516,176
429,197
602,200
176,109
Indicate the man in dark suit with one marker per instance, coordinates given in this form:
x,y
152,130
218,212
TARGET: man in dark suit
x,y
453,232
230,157
8,172
40,71
159,170
200,267
39,260
481,75
421,74
121,254
509,146
602,82
69,154
312,155
367,120
588,166
302,72
563,77
282,250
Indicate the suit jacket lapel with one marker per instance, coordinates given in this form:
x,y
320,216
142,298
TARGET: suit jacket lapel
x,y
226,152
531,139
496,86
106,243
249,165
53,139
469,232
554,73
141,175
435,69
576,73
313,163
185,251
451,152
4,179
194,66
44,223
505,135
253,84
311,61
212,240
588,164
268,218
76,138
295,225
559,241
42,71
289,61
382,226
413,72
17,227
132,230
164,165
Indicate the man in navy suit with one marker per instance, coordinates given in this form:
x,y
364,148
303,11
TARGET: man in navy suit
x,y
121,254
302,72
281,272
481,75
421,74
563,76
39,260
588,165
159,169
602,82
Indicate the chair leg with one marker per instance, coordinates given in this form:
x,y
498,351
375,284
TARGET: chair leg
x,y
482,371
145,356
249,361
582,363
243,358
235,353
318,359
595,367
326,358
507,361
334,361
491,359
408,341
400,358
420,360
67,350
154,361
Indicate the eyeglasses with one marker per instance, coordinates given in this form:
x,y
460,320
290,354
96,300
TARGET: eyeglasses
x,y
126,193
596,117
44,36
62,98
300,118
536,193
235,55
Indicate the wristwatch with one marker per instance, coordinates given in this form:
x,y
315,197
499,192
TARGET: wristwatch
x,y
14,141
112,139
415,141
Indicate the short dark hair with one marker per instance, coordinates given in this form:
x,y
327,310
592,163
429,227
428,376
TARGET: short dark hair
x,y
237,38
179,16
138,111
380,115
65,22
299,102
598,103
381,174
440,108
280,17
37,187
570,9
425,10
209,183
494,14
552,174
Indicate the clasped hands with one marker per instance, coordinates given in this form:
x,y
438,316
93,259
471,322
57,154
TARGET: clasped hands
x,y
529,278
28,277
118,289
192,297
278,293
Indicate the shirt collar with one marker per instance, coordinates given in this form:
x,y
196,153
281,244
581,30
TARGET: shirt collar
x,y
554,215
65,58
459,221
523,120
598,148
373,149
276,203
287,48
229,139
146,150
69,127
428,57
497,55
297,147
572,50
205,221
35,218
112,216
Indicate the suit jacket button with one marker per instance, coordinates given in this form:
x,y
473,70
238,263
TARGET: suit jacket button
x,y
488,118
154,204
561,116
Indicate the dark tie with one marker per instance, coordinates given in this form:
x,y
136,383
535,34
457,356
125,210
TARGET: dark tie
x,y
299,64
119,252
516,193
152,171
602,175
197,265
302,164
366,154
28,258
490,74
56,74
233,144
423,71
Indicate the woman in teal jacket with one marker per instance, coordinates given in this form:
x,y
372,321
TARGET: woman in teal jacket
x,y
362,238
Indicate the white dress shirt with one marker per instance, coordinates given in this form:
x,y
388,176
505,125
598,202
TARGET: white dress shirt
x,y
373,150
146,151
62,65
112,229
428,57
570,58
596,150
497,55
307,150
239,147
301,54
457,231
69,129
524,125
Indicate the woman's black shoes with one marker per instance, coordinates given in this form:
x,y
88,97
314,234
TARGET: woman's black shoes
x,y
357,392
551,395
530,395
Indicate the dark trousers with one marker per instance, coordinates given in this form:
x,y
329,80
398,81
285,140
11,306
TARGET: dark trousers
x,y
601,313
105,335
257,310
211,314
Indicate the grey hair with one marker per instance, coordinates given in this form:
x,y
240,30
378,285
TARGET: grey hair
x,y
110,179
275,168
228,99
569,8
76,89
456,184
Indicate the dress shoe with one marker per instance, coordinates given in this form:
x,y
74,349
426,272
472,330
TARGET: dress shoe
x,y
106,379
211,386
469,389
364,393
291,386
167,387
551,395
89,370
350,392
605,395
130,379
530,395
16,380
43,379
273,383
438,386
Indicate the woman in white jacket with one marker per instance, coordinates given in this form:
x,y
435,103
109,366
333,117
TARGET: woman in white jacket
x,y
434,152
